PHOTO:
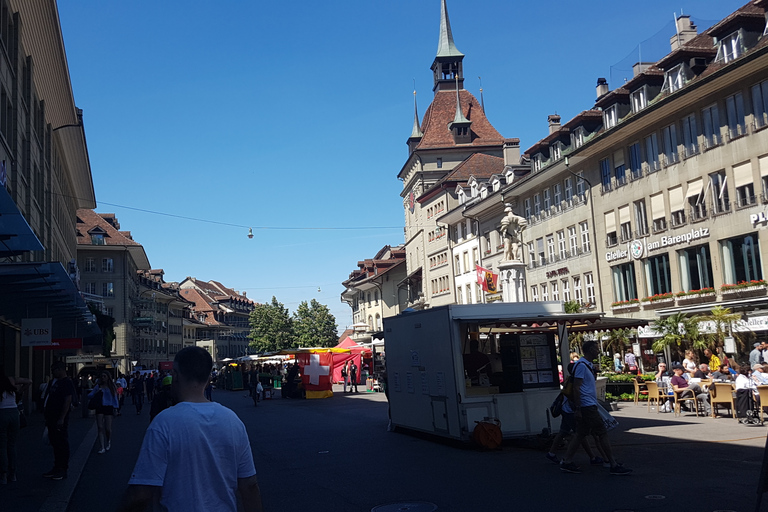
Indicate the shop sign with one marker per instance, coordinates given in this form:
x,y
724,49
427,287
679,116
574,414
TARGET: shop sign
x,y
559,272
79,359
755,323
647,331
686,238
758,218
35,332
618,254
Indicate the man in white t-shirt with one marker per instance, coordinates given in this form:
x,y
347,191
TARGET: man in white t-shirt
x,y
196,455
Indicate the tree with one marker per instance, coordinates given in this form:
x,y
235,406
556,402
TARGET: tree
x,y
271,327
722,318
314,325
678,331
572,306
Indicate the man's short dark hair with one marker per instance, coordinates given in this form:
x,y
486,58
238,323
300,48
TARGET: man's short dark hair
x,y
194,364
588,345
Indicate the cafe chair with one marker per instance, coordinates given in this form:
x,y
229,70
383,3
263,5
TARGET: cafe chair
x,y
690,397
639,391
721,393
763,394
656,394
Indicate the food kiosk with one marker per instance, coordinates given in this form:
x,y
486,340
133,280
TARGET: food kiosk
x,y
439,380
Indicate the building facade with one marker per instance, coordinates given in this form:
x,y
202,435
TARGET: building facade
x,y
376,291
45,176
674,165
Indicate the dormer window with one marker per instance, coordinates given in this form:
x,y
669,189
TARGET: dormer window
x,y
97,239
537,162
729,48
556,154
462,196
675,78
639,99
439,163
578,137
610,117
495,184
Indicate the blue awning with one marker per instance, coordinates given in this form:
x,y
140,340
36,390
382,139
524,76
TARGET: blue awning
x,y
16,237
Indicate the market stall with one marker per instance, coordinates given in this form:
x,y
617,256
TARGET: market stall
x,y
449,367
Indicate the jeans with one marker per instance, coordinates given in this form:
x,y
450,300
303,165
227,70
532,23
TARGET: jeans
x,y
59,438
9,431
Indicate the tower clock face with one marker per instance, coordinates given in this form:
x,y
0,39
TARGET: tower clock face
x,y
411,201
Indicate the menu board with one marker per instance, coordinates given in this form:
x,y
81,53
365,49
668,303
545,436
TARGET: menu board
x,y
536,360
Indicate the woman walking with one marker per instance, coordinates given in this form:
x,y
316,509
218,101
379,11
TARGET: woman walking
x,y
105,410
9,423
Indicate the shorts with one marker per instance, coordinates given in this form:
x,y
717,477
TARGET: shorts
x,y
591,422
106,410
568,423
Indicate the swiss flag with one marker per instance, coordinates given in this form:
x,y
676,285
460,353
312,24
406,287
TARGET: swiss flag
x,y
316,370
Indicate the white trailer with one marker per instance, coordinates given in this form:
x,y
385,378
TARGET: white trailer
x,y
429,389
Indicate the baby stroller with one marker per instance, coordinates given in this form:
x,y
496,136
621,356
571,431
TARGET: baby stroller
x,y
747,408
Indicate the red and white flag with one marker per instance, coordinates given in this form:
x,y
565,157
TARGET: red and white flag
x,y
316,373
487,279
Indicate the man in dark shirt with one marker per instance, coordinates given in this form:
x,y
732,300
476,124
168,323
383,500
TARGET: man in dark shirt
x,y
722,373
58,399
702,372
679,384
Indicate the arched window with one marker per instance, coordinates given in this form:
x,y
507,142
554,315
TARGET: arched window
x,y
376,296
370,322
378,322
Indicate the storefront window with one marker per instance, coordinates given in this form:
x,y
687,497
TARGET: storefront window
x,y
657,275
741,259
695,268
624,282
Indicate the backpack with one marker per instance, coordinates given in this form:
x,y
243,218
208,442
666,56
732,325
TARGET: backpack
x,y
567,391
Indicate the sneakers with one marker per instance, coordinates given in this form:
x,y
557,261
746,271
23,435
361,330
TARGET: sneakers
x,y
569,468
60,475
597,461
552,458
50,473
109,445
618,469
102,451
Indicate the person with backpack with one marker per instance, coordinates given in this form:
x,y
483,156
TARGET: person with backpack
x,y
588,419
106,403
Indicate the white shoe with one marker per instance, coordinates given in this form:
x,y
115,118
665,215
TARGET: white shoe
x,y
109,445
102,451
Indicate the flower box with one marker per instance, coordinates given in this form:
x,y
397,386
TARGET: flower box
x,y
696,298
626,306
752,289
658,303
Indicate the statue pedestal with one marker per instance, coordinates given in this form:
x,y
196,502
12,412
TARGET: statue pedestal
x,y
512,276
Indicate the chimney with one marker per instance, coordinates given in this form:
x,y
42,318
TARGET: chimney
x,y
602,87
554,123
639,67
511,152
686,31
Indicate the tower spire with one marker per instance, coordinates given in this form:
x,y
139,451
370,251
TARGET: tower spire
x,y
416,132
460,126
445,46
447,64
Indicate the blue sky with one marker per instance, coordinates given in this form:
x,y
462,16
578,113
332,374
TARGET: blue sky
x,y
292,117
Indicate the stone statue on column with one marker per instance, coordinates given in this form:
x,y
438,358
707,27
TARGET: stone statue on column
x,y
512,227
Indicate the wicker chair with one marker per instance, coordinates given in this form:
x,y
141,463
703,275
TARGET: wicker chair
x,y
721,393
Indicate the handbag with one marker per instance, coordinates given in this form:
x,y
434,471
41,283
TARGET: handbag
x,y
556,409
95,400
567,391
609,421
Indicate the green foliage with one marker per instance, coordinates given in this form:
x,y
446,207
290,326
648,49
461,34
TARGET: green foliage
x,y
314,325
722,318
680,332
106,323
572,306
626,377
271,327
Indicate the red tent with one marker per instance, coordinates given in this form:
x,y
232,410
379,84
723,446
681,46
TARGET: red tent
x,y
356,355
